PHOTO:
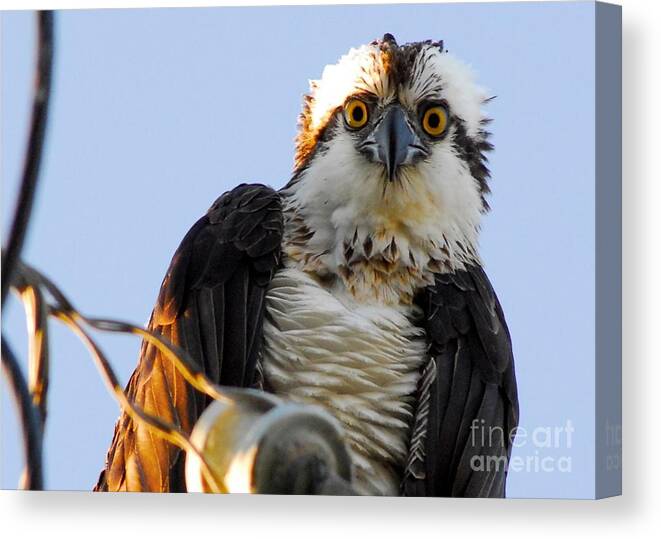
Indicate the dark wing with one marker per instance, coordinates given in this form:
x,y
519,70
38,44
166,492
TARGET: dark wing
x,y
211,304
467,396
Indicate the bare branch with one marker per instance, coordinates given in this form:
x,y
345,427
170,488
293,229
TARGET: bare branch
x,y
30,420
34,153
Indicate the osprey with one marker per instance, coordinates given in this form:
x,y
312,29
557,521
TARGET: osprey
x,y
357,287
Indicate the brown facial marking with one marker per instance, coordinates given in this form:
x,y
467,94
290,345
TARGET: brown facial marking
x,y
308,136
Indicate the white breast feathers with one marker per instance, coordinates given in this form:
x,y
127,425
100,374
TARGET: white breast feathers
x,y
360,361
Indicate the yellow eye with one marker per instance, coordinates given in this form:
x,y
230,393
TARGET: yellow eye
x,y
435,120
355,113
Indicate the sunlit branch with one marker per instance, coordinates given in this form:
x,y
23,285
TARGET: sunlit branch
x,y
36,311
159,427
179,357
29,283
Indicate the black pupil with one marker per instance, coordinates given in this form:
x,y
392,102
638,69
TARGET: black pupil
x,y
434,120
357,114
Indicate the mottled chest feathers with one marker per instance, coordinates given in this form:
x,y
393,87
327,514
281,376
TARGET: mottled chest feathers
x,y
389,268
381,265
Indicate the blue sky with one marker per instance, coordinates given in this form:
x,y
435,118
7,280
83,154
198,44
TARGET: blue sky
x,y
157,112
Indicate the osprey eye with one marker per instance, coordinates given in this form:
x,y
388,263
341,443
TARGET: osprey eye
x,y
355,113
435,120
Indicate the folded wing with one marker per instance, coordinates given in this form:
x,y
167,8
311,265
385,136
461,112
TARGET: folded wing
x,y
211,304
467,396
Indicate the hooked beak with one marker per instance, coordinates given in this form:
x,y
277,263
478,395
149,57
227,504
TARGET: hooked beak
x,y
394,143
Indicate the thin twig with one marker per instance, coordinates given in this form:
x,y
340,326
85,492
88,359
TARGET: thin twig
x,y
36,310
26,283
28,278
163,429
180,358
30,420
177,355
34,153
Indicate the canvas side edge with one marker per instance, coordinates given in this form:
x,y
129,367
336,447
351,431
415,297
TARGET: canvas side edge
x,y
608,250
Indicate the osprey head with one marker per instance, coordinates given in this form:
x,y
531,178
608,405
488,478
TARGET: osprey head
x,y
390,149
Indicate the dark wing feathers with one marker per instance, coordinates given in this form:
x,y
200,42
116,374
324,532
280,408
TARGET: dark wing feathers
x,y
211,304
473,383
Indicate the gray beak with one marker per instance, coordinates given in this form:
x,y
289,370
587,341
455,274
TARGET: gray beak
x,y
396,143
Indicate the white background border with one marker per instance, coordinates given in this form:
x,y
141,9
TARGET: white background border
x,y
634,514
